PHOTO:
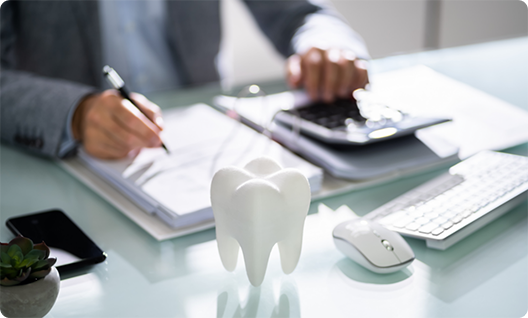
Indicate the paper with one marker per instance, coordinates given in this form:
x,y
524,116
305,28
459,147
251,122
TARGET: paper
x,y
201,141
480,121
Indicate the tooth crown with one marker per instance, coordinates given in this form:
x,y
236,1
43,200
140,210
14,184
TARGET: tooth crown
x,y
255,208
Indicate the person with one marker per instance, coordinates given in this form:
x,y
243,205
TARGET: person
x,y
52,92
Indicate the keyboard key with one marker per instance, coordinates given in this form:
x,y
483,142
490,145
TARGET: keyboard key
x,y
439,220
449,214
447,225
458,209
474,208
422,220
403,222
428,228
437,231
465,214
456,219
431,215
413,226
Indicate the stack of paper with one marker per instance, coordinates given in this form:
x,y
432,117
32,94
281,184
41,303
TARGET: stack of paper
x,y
201,140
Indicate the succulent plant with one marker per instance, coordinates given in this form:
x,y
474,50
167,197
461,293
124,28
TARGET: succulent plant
x,y
23,262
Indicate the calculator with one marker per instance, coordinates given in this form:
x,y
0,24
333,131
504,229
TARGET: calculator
x,y
357,121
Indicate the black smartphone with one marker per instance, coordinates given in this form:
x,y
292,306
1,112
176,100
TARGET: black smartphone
x,y
72,247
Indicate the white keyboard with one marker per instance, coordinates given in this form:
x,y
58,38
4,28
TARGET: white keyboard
x,y
450,207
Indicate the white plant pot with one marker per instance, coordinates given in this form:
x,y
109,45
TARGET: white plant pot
x,y
30,300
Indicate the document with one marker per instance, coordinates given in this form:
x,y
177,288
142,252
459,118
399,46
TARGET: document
x,y
480,121
175,187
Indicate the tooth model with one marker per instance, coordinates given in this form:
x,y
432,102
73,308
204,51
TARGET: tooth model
x,y
256,207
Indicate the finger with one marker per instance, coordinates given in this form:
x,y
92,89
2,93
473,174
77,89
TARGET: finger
x,y
134,122
331,73
346,65
151,110
311,70
293,71
102,125
126,140
360,75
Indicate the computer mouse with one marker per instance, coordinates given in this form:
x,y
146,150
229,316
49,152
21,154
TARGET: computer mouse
x,y
373,246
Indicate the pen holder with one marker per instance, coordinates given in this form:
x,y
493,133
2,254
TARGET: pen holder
x,y
255,208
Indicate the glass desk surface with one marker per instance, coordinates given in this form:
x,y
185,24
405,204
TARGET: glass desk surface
x,y
485,275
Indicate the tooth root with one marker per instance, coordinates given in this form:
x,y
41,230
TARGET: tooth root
x,y
256,257
295,187
227,248
290,249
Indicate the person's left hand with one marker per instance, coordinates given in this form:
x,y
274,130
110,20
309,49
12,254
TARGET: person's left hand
x,y
327,74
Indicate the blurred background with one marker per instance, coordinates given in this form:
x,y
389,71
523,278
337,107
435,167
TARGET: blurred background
x,y
389,27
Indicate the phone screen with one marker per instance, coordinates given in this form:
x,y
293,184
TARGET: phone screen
x,y
72,247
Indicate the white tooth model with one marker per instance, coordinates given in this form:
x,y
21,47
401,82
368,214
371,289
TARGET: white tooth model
x,y
256,207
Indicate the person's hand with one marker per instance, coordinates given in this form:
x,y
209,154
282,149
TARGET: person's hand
x,y
326,74
110,127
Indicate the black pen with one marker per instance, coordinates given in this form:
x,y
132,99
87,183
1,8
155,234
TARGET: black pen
x,y
118,83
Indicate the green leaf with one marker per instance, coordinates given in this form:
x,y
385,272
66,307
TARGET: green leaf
x,y
10,272
35,255
43,247
15,252
40,265
3,265
27,262
5,257
25,244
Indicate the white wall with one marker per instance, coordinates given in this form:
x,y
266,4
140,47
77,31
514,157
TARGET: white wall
x,y
389,27
251,57
465,22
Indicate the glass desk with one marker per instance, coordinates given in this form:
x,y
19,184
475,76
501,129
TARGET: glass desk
x,y
485,275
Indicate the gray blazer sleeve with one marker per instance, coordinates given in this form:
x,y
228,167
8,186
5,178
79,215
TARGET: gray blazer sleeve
x,y
33,109
295,26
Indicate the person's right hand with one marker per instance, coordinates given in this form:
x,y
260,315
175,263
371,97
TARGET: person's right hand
x,y
327,74
110,127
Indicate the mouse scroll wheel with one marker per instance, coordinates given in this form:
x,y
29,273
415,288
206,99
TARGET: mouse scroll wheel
x,y
387,245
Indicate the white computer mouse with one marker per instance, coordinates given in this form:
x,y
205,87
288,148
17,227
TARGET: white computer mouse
x,y
373,246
